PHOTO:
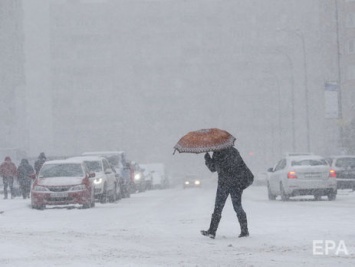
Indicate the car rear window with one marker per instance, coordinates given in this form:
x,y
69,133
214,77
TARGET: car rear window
x,y
61,170
345,163
94,166
309,162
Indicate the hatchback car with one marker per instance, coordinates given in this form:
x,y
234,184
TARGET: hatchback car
x,y
344,171
106,181
301,175
63,182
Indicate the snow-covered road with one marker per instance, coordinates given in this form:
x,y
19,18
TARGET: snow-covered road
x,y
161,228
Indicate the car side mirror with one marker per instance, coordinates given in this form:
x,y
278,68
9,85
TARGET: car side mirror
x,y
91,175
270,170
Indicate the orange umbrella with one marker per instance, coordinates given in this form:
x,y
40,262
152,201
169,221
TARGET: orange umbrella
x,y
204,140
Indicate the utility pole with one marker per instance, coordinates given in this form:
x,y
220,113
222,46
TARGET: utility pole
x,y
340,108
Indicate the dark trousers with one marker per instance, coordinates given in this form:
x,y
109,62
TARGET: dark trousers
x,y
25,185
236,196
8,182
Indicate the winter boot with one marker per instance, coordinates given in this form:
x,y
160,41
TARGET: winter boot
x,y
243,225
211,232
5,195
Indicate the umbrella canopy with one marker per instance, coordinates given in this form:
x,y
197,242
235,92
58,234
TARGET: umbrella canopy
x,y
205,140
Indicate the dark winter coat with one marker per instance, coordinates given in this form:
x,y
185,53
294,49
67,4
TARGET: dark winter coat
x,y
231,168
39,162
25,171
8,168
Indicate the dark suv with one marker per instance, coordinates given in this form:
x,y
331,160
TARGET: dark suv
x,y
344,170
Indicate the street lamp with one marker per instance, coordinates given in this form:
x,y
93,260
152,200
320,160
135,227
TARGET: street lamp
x,y
276,80
292,98
300,35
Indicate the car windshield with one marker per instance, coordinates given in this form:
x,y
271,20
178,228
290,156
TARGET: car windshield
x,y
114,160
61,170
309,162
345,163
94,166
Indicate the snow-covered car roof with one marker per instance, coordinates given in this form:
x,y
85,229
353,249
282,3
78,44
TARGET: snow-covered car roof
x,y
296,154
342,156
64,161
87,158
305,157
94,153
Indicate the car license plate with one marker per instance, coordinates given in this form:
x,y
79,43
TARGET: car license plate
x,y
59,194
312,175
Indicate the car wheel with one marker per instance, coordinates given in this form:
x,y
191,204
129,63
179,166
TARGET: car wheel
x,y
113,196
127,190
317,197
119,193
103,197
332,196
87,205
270,195
39,207
92,199
284,196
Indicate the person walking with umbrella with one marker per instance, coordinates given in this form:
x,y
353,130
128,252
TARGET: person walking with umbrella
x,y
233,174
233,177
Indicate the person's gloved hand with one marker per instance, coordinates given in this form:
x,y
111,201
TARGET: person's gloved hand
x,y
207,156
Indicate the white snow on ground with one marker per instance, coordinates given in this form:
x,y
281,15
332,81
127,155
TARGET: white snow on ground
x,y
162,228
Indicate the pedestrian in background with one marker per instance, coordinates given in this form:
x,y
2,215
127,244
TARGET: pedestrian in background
x,y
25,174
39,162
8,171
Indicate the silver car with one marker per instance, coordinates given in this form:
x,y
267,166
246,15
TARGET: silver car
x,y
301,175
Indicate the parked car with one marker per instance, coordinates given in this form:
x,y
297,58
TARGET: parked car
x,y
63,182
192,181
138,182
106,181
118,160
344,171
301,175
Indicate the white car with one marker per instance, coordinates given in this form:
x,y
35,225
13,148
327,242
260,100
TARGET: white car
x,y
301,175
106,183
118,160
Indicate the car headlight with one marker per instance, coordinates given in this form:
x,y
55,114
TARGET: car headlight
x,y
138,176
197,182
38,188
187,182
98,181
79,187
